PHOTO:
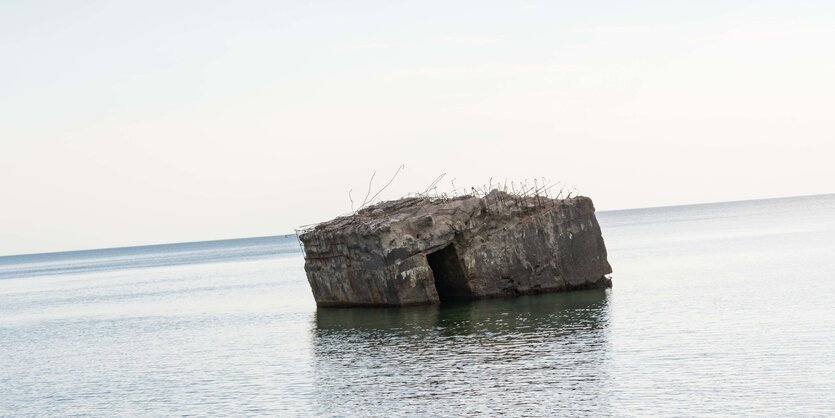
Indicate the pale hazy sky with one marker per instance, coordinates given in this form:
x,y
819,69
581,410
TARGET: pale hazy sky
x,y
141,122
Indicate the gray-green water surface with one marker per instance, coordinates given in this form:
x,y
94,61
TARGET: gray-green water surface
x,y
720,309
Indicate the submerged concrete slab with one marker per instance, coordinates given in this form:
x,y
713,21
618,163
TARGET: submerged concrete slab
x,y
421,251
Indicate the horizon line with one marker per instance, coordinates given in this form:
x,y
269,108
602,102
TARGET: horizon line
x,y
757,199
285,235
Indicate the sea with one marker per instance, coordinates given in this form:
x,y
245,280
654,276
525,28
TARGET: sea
x,y
723,309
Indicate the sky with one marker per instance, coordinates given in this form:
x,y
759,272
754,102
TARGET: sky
x,y
129,123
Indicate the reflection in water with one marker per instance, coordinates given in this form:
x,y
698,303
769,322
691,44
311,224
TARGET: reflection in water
x,y
528,355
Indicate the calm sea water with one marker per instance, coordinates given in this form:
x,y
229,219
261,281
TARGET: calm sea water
x,y
721,309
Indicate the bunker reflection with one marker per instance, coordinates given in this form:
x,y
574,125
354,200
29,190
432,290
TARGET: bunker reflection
x,y
523,354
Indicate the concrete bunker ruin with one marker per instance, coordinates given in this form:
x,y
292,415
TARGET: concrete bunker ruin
x,y
420,250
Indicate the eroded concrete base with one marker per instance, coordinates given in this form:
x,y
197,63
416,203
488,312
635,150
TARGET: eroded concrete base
x,y
419,251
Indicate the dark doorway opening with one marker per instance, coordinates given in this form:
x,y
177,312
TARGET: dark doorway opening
x,y
450,281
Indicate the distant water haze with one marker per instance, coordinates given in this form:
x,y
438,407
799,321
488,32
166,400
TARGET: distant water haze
x,y
717,309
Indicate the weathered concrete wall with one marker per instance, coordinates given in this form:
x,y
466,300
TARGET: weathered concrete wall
x,y
539,251
503,245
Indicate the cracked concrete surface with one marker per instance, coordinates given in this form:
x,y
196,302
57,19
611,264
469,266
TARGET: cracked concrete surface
x,y
495,246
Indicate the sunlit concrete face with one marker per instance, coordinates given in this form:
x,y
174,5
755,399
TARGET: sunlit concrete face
x,y
142,123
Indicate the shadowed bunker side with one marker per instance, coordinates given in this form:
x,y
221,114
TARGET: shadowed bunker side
x,y
420,250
